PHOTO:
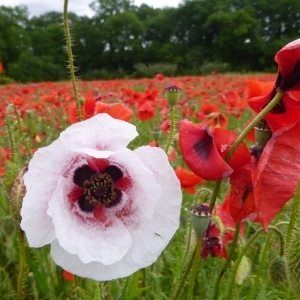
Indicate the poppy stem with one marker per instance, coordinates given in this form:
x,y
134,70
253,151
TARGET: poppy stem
x,y
184,276
228,261
194,269
22,262
71,59
172,130
254,122
294,216
245,249
21,131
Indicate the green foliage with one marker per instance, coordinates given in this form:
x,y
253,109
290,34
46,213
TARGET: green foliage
x,y
122,36
214,67
149,71
5,80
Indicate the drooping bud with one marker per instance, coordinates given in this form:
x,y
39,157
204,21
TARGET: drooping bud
x,y
172,94
243,270
200,218
156,133
278,271
16,195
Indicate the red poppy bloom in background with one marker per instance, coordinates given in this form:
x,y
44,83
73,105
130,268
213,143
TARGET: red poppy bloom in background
x,y
288,80
1,67
146,111
188,180
204,150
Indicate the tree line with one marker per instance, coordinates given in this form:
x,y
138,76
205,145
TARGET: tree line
x,y
125,40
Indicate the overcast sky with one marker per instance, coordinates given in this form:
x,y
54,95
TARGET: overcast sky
x,y
80,7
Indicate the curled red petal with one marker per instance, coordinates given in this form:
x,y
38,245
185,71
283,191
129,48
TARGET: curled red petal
x,y
200,153
278,172
287,57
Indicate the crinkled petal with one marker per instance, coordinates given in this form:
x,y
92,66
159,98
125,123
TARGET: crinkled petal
x,y
105,241
200,153
150,236
101,132
278,172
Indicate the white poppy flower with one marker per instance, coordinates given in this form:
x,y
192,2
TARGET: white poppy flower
x,y
107,211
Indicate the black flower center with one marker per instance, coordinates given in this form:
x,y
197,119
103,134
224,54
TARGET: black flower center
x,y
99,189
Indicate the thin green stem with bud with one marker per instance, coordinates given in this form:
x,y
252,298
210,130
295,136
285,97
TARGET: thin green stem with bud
x,y
71,60
22,263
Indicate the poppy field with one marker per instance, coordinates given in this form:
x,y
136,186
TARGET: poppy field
x,y
162,188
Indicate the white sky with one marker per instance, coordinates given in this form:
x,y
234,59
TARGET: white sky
x,y
80,7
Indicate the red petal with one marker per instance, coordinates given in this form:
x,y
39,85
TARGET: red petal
x,y
200,153
287,57
278,172
224,139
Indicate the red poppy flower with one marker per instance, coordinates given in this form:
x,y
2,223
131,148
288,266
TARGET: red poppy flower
x,y
288,80
204,150
1,67
188,180
146,111
277,174
212,243
68,276
207,109
240,203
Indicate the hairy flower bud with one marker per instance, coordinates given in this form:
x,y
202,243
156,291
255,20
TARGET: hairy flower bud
x,y
278,270
16,195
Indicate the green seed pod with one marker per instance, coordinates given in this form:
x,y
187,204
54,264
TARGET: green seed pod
x,y
172,94
293,262
278,271
262,133
200,218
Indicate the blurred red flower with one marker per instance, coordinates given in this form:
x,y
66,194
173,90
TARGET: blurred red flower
x,y
188,180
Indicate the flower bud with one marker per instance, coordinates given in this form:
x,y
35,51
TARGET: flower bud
x,y
16,195
200,218
278,271
293,261
172,94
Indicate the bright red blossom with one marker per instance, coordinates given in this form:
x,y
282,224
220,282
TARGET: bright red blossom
x,y
204,150
188,180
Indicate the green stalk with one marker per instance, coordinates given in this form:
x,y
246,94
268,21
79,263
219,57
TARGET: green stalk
x,y
172,130
10,134
184,276
71,59
294,215
254,122
21,132
194,269
245,249
227,262
22,263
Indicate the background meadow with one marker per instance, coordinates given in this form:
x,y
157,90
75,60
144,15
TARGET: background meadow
x,y
47,108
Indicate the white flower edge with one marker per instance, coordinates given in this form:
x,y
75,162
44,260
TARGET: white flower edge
x,y
149,236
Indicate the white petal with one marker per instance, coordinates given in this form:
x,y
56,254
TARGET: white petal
x,y
100,132
144,192
93,152
82,234
41,181
150,237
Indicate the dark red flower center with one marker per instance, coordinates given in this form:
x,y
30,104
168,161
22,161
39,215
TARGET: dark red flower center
x,y
98,187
